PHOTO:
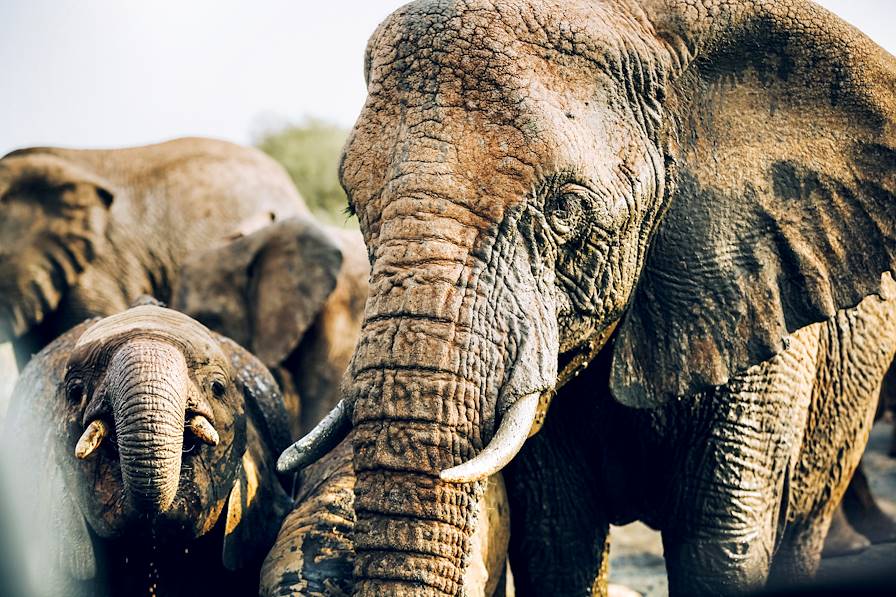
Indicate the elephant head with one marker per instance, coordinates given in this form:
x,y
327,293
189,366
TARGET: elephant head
x,y
704,177
287,284
146,423
54,218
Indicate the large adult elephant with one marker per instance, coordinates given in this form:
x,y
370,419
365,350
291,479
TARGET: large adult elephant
x,y
711,179
83,233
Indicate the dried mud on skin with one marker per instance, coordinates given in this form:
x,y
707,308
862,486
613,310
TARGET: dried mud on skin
x,y
636,552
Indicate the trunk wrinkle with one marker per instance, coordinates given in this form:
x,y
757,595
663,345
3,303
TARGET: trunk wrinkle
x,y
149,384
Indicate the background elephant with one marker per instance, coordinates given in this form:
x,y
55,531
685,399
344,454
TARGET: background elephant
x,y
709,179
292,292
140,448
314,554
83,233
860,521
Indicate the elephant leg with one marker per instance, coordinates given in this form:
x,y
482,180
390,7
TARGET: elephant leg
x,y
843,539
864,514
733,481
800,551
559,544
314,553
731,488
558,533
724,544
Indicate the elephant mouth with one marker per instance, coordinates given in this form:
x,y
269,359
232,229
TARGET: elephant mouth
x,y
99,432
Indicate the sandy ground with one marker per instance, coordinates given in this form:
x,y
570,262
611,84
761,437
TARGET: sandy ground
x,y
636,553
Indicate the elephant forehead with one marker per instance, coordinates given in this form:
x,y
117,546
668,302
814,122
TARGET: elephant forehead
x,y
157,321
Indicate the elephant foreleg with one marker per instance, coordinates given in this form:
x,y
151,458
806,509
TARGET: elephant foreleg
x,y
732,480
558,533
864,514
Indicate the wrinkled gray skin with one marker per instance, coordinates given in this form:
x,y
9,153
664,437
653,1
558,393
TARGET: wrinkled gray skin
x,y
314,556
155,508
712,178
293,293
83,233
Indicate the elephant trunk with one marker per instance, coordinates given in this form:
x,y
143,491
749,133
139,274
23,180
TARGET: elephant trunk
x,y
149,385
438,370
413,529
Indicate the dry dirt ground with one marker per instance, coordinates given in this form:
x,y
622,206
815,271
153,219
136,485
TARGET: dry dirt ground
x,y
636,553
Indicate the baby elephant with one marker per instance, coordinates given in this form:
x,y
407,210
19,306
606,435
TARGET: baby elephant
x,y
314,553
143,447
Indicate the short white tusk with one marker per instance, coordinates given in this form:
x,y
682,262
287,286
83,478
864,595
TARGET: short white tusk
x,y
204,430
510,437
320,440
91,439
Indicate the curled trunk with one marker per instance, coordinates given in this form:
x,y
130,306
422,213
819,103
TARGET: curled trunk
x,y
148,389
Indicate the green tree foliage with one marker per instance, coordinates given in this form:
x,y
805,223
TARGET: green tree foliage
x,y
310,150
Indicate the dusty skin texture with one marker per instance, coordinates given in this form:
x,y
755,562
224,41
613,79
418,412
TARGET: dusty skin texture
x,y
715,178
155,509
84,233
292,293
314,553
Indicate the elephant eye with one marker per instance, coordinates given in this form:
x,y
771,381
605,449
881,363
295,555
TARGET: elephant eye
x,y
565,208
75,390
218,388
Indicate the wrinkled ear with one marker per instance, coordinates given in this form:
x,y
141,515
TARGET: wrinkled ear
x,y
255,508
265,289
784,206
47,177
257,502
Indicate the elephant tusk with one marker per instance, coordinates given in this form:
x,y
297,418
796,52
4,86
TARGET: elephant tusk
x,y
510,437
204,430
91,439
320,440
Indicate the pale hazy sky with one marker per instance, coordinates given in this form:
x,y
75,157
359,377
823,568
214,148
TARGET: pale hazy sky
x,y
94,73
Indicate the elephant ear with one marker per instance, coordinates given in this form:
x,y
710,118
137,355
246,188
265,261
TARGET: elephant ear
x,y
263,290
39,173
257,502
256,506
784,203
45,508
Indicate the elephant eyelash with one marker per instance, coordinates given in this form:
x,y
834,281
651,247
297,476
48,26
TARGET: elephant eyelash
x,y
349,210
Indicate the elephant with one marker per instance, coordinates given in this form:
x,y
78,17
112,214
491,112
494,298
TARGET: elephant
x,y
293,293
314,554
84,233
860,522
688,203
141,447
